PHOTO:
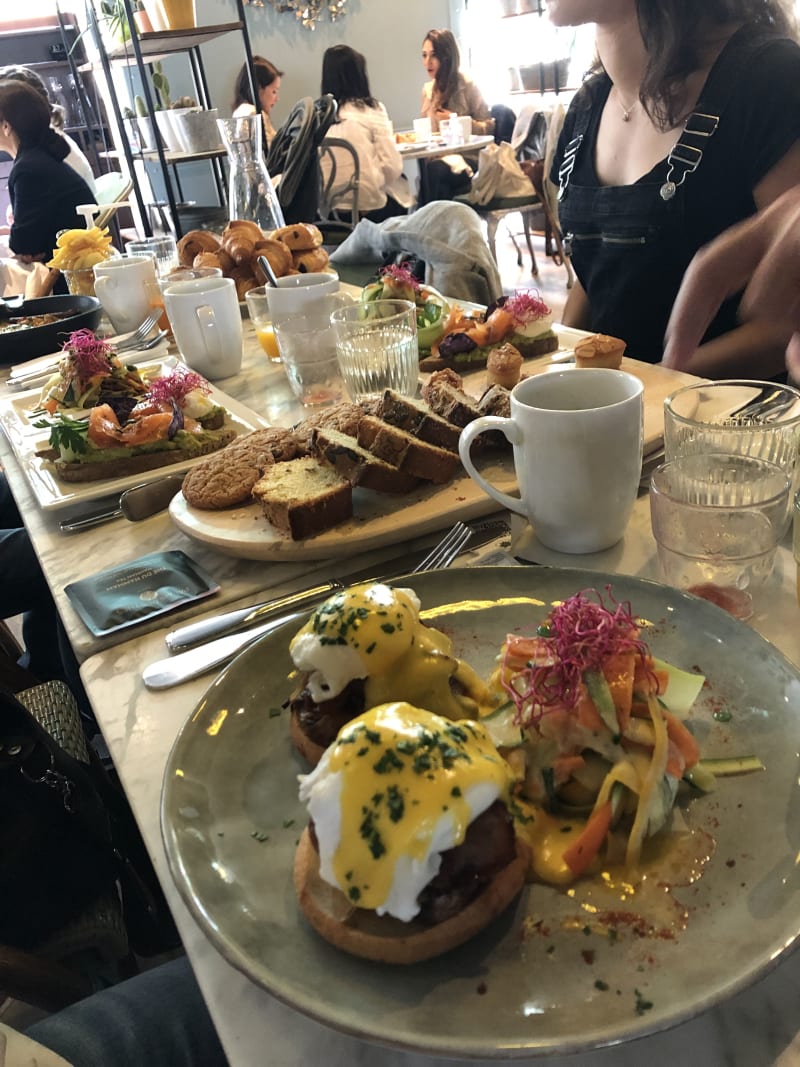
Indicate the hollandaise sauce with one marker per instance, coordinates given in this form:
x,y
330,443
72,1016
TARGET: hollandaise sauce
x,y
375,632
397,788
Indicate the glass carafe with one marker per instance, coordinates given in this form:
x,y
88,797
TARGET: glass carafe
x,y
251,194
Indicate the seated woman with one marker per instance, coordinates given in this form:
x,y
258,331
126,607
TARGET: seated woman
x,y
44,191
449,92
362,120
690,124
268,84
76,158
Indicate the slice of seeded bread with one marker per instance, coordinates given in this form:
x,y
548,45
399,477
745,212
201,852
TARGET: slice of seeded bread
x,y
405,452
357,465
303,497
448,401
415,417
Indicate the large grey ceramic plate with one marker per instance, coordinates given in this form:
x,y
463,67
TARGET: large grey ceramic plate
x,y
518,989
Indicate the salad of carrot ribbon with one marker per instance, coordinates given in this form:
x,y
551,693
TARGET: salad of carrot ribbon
x,y
594,724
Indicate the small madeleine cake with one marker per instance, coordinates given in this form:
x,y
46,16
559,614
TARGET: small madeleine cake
x,y
599,350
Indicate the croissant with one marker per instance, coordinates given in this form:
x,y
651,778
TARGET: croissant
x,y
239,246
193,243
245,280
279,256
244,226
219,259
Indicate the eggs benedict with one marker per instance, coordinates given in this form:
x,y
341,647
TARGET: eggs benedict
x,y
411,849
366,646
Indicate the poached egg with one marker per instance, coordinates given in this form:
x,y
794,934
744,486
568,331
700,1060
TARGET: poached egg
x,y
397,788
374,632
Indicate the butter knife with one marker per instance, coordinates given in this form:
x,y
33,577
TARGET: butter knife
x,y
195,633
165,673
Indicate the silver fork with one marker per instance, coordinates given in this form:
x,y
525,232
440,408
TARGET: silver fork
x,y
139,335
183,667
443,553
130,342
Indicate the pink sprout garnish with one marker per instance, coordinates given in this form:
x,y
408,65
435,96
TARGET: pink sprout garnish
x,y
177,385
90,355
583,635
400,273
526,305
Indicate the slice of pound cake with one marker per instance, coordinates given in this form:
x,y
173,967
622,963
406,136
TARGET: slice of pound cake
x,y
303,497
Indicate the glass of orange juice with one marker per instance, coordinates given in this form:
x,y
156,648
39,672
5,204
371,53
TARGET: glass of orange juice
x,y
258,309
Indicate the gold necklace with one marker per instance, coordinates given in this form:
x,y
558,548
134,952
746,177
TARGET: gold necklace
x,y
625,111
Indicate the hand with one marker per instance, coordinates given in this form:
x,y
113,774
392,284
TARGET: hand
x,y
761,256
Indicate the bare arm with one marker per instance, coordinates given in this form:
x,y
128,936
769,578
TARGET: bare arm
x,y
771,301
576,309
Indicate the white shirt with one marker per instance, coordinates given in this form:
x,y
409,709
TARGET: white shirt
x,y
79,163
369,131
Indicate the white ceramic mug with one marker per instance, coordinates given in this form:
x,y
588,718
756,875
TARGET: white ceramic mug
x,y
297,294
207,324
577,437
121,286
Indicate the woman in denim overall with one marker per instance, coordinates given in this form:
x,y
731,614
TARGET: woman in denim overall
x,y
690,126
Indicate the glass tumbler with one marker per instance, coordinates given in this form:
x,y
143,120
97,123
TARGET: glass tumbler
x,y
163,248
746,418
376,344
258,309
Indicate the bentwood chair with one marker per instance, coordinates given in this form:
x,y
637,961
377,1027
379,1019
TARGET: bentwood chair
x,y
337,201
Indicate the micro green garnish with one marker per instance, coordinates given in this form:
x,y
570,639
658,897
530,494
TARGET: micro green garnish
x,y
371,648
407,746
287,823
601,985
582,635
274,713
517,813
259,836
362,752
421,763
455,791
354,893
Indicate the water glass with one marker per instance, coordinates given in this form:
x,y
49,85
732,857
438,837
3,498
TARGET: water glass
x,y
163,248
376,343
307,346
748,418
717,519
258,309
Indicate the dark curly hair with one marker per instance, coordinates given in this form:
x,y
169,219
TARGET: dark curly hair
x,y
675,34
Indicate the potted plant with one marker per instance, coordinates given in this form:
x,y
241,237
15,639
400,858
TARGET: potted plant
x,y
163,106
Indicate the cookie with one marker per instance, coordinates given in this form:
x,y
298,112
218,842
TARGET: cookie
x,y
227,478
213,486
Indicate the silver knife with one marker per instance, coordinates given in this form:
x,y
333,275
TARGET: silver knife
x,y
165,673
197,632
136,503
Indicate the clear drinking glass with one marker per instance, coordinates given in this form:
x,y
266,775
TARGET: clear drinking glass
x,y
163,248
307,346
258,309
717,519
251,194
376,344
747,418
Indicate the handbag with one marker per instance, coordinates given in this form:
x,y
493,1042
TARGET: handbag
x,y
67,838
499,175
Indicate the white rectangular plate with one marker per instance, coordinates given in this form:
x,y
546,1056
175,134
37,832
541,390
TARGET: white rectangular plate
x,y
50,492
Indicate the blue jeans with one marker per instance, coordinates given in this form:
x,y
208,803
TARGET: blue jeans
x,y
157,1019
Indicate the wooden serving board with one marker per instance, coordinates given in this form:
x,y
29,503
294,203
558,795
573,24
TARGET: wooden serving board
x,y
658,381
